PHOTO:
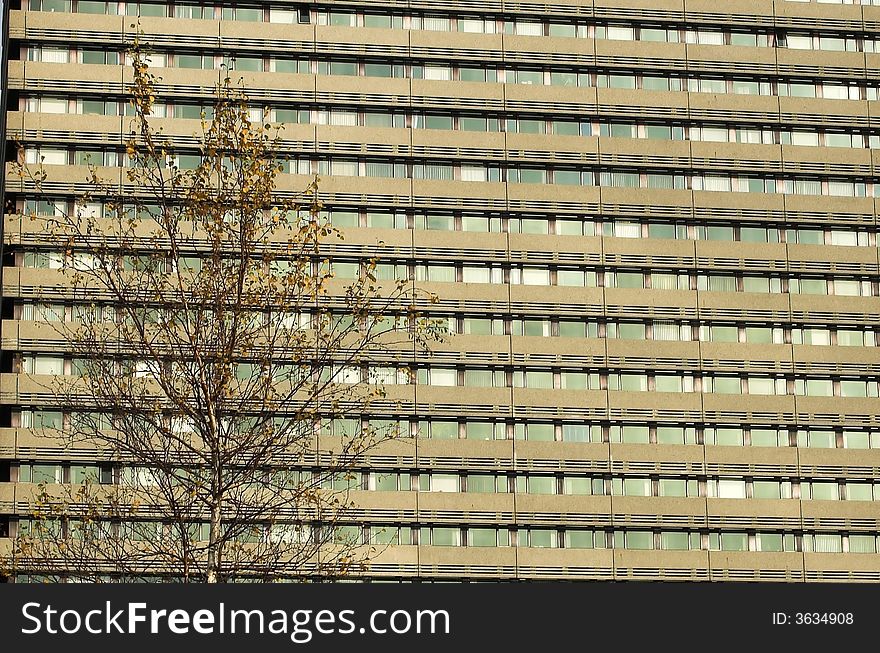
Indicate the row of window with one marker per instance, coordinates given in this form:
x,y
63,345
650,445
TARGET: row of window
x,y
571,176
456,122
545,379
492,483
618,539
491,273
660,330
513,223
525,174
475,429
521,536
476,24
583,77
664,330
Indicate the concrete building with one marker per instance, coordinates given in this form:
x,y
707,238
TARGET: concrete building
x,y
652,224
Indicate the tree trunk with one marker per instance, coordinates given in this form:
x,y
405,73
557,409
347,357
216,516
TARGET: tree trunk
x,y
213,566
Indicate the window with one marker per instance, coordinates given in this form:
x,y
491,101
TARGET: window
x,y
438,73
679,541
485,431
636,487
577,485
482,537
581,433
774,542
528,29
634,539
768,438
629,280
444,483
38,473
536,484
734,542
579,539
723,385
53,365
729,437
444,536
678,487
862,544
42,419
824,490
539,537
444,431
675,435
859,492
769,490
856,440
727,489
486,483
823,543
628,382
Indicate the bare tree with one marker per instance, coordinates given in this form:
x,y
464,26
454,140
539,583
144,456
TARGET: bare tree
x,y
210,341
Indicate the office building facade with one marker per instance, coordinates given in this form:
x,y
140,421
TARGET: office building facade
x,y
652,226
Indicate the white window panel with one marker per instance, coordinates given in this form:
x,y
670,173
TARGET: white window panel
x,y
444,483
52,105
810,139
89,210
84,261
344,118
347,374
44,365
46,312
710,38
476,26
53,157
666,330
438,72
628,230
847,287
716,183
835,92
476,275
146,369
530,29
182,425
762,386
615,33
143,477
845,238
157,59
435,24
290,534
285,16
841,189
383,375
828,544
731,489
473,173
444,377
714,134
55,55
344,168
799,42
535,277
